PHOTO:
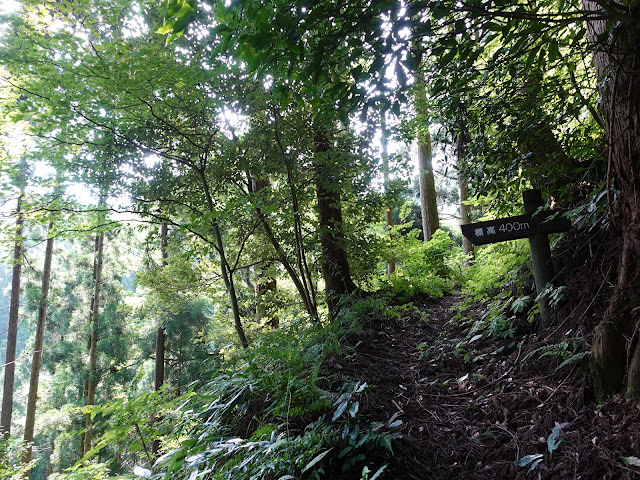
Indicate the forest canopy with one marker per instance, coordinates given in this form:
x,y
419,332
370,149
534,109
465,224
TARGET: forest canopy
x,y
200,196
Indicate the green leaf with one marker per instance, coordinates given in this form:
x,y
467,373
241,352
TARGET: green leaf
x,y
345,451
340,410
181,24
552,440
439,12
141,472
520,304
173,8
386,443
316,460
553,50
631,461
573,358
379,472
447,58
534,460
164,29
260,40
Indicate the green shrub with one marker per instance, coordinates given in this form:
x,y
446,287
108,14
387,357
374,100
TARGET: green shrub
x,y
432,268
11,467
498,265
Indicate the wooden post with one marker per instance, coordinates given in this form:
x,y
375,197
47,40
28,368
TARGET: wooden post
x,y
540,256
534,225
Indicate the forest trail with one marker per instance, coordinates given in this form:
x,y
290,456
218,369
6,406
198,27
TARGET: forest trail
x,y
473,413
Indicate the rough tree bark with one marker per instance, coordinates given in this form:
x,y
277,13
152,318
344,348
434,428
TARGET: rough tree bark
x,y
264,284
30,420
160,333
616,349
14,307
388,211
428,203
335,265
93,337
463,193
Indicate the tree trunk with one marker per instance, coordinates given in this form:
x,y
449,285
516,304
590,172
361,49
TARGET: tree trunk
x,y
304,281
50,456
463,194
388,211
227,277
225,268
14,307
309,304
335,265
37,352
264,284
93,338
428,203
616,349
160,333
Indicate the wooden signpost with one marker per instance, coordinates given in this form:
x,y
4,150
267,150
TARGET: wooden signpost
x,y
536,225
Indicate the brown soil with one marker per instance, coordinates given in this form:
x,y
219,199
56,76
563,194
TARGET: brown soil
x,y
472,410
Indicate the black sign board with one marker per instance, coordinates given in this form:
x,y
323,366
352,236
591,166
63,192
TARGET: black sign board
x,y
512,228
534,224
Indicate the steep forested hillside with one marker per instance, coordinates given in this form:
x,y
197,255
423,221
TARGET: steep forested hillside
x,y
232,249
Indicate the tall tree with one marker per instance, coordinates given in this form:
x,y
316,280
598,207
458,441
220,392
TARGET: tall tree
x,y
161,332
93,330
335,265
428,199
14,308
463,186
614,31
37,349
388,210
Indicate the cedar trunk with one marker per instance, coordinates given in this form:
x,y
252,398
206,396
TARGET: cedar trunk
x,y
37,352
388,211
428,204
335,265
160,333
12,331
93,338
463,194
426,180
616,350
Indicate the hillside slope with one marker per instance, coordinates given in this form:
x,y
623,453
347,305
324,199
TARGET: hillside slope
x,y
475,408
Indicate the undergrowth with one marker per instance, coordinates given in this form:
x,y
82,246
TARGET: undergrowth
x,y
432,268
267,412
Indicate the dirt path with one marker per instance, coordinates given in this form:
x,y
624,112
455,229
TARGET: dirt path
x,y
472,413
